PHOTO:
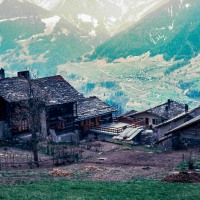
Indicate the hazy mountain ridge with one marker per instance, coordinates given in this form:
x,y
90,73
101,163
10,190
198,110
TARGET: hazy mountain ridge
x,y
49,41
31,37
98,20
59,33
171,30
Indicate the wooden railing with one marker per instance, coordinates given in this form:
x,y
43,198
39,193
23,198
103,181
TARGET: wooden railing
x,y
113,129
109,129
132,121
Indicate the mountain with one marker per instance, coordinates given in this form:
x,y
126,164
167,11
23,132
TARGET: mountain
x,y
171,30
46,4
98,20
151,47
37,34
32,37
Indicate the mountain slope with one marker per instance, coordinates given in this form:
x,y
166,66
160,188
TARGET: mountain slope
x,y
171,30
31,37
99,20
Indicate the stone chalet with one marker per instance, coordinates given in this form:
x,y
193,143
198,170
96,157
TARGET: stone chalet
x,y
159,114
65,109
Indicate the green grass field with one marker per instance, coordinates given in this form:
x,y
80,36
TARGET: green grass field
x,y
139,190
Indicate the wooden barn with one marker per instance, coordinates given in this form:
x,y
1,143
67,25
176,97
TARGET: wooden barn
x,y
168,125
185,135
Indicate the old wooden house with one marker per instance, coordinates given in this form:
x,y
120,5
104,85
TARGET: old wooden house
x,y
93,112
63,106
183,136
156,115
171,124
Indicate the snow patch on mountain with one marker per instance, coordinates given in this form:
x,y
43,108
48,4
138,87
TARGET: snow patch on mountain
x,y
12,19
170,27
50,24
187,5
170,11
88,19
92,33
112,19
65,31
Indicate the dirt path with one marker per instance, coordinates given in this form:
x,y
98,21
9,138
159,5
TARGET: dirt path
x,y
113,164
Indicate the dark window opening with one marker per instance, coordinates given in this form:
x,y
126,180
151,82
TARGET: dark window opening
x,y
24,125
156,121
2,111
93,120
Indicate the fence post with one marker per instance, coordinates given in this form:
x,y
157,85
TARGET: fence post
x,y
6,162
13,160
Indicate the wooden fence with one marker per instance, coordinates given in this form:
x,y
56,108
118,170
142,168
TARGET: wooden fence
x,y
49,155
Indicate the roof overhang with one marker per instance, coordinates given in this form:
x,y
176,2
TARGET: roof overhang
x,y
93,116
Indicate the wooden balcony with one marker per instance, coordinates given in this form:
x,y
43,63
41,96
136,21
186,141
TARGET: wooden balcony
x,y
114,128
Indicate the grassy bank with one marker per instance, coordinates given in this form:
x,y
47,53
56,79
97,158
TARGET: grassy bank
x,y
138,190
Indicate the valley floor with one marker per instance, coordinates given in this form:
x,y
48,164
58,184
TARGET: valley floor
x,y
138,83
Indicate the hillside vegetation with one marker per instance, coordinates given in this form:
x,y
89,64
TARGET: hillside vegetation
x,y
171,30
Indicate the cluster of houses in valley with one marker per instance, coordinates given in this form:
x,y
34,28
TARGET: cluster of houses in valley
x,y
66,115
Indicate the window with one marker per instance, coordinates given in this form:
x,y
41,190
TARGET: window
x,y
156,121
93,120
62,125
24,125
75,109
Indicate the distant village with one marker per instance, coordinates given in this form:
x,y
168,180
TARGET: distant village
x,y
53,109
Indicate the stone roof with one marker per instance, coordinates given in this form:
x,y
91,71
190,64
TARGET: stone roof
x,y
190,113
54,89
59,90
92,107
129,113
184,125
165,111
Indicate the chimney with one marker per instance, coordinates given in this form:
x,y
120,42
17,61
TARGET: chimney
x,y
186,108
2,73
24,74
167,111
169,103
